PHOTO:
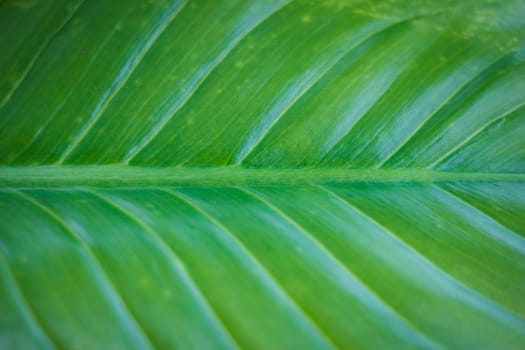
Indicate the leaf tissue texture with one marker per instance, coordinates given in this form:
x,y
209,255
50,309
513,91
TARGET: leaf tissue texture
x,y
262,174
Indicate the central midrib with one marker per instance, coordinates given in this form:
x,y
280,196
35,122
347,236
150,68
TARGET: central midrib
x,y
127,176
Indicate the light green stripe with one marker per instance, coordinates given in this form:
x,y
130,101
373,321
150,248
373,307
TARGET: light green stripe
x,y
125,176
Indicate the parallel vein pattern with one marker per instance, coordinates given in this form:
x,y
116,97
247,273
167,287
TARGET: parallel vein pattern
x,y
278,84
301,243
262,174
141,338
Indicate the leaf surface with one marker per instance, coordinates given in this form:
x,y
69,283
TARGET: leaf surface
x,y
262,174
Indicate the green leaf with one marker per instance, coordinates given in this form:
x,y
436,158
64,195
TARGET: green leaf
x,y
262,174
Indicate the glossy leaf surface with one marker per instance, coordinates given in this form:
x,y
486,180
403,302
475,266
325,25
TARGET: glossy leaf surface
x,y
262,174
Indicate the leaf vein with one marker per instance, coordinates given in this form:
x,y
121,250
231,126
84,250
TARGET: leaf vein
x,y
39,54
454,93
332,257
124,74
157,128
248,149
464,142
111,290
190,282
269,279
26,308
470,296
514,241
